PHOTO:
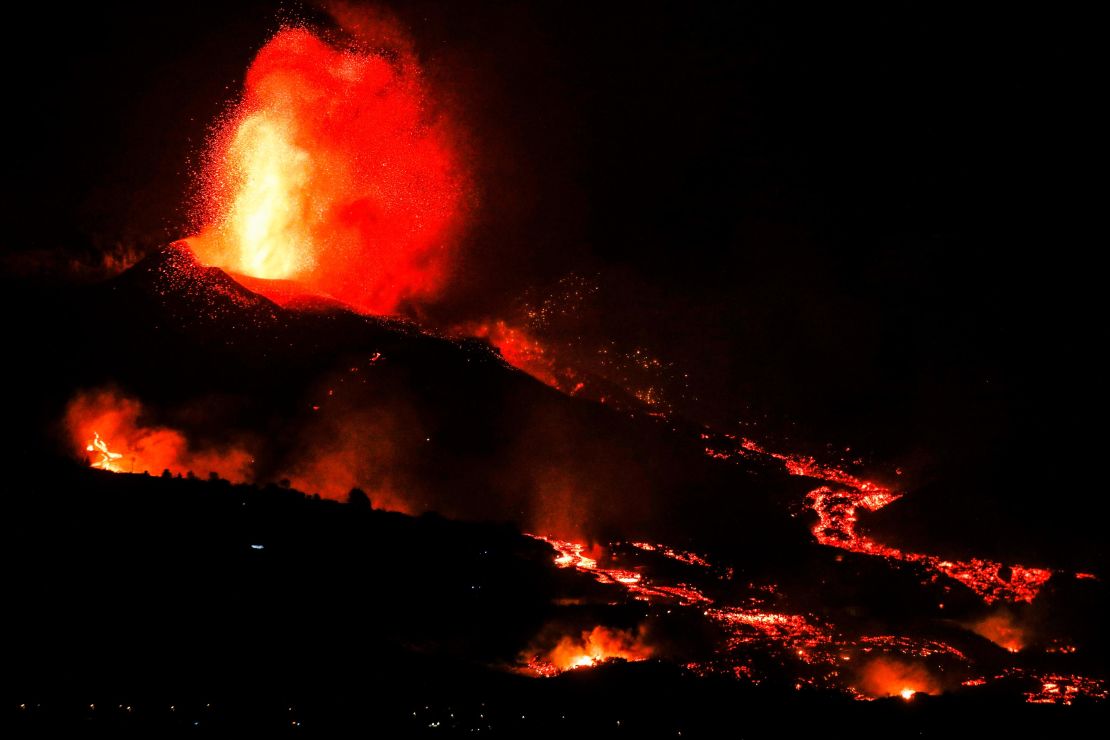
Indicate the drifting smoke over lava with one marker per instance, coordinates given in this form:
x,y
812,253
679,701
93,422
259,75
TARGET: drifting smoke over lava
x,y
884,677
332,454
1002,629
355,449
332,172
551,334
522,351
112,431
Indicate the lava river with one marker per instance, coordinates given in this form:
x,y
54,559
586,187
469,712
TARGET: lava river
x,y
763,639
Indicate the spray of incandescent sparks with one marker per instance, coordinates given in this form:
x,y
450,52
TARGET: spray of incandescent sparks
x,y
334,172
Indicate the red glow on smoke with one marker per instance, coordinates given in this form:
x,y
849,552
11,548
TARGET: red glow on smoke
x,y
340,452
884,677
524,352
589,648
110,429
333,173
1002,629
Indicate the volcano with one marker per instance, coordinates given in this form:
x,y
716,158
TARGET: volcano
x,y
509,370
451,427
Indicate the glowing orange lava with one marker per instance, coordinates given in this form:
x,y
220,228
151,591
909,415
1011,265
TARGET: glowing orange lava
x,y
836,505
1061,689
743,625
106,459
334,173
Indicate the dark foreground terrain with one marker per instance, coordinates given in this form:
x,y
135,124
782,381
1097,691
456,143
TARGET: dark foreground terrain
x,y
139,605
148,605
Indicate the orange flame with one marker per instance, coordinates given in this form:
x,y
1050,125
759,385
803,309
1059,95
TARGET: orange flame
x,y
596,646
884,677
107,460
109,424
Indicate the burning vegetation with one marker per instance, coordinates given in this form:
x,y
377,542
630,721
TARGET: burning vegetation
x,y
884,677
588,649
114,434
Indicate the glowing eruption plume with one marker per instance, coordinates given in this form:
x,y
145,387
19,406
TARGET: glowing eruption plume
x,y
332,172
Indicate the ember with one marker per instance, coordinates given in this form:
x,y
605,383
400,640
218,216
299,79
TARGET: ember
x,y
1061,689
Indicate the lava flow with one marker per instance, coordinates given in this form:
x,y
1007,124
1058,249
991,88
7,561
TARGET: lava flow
x,y
106,459
333,173
813,649
761,637
836,505
759,634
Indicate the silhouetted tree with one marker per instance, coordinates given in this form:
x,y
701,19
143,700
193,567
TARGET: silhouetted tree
x,y
358,499
166,473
